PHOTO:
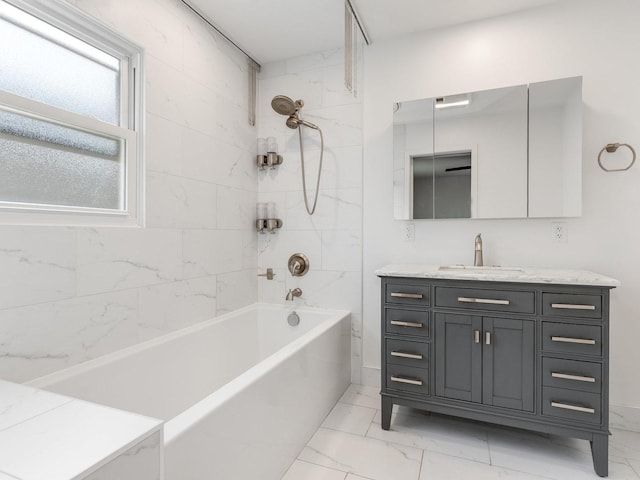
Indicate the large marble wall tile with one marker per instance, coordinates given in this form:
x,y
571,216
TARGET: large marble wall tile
x,y
39,339
236,208
342,250
304,85
211,61
163,141
116,259
175,202
168,307
164,90
236,290
336,209
209,252
323,59
333,91
157,26
35,270
208,159
341,125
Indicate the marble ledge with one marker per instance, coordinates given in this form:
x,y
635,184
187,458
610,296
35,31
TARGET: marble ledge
x,y
46,435
499,274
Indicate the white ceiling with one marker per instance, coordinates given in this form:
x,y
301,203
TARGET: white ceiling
x,y
278,29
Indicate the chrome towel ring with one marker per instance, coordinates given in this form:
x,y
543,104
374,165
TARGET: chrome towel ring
x,y
612,147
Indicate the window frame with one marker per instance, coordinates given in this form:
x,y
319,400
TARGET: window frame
x,y
75,22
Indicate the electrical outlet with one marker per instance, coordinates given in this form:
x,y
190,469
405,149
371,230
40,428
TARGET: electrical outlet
x,y
559,232
408,232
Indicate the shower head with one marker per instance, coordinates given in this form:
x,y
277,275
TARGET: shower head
x,y
285,106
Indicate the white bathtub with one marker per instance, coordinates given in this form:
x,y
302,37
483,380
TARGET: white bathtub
x,y
241,394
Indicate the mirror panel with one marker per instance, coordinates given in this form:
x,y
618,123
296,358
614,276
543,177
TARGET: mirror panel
x,y
492,128
511,152
555,148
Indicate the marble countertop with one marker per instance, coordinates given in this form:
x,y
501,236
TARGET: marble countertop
x,y
499,274
46,435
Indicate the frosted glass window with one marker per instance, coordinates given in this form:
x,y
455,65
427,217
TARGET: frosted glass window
x,y
55,68
70,118
47,164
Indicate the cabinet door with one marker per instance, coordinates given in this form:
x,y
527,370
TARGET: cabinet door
x,y
458,361
508,363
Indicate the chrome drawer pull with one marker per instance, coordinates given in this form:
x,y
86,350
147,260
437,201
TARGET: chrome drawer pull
x,y
577,378
406,355
400,323
582,341
572,407
568,306
410,381
406,295
483,300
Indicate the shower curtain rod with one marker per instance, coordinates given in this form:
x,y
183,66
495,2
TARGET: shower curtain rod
x,y
224,35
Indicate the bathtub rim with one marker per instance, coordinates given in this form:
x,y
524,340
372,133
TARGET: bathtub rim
x,y
44,381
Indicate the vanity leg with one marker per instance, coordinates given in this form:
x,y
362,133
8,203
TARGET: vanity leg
x,y
600,454
387,408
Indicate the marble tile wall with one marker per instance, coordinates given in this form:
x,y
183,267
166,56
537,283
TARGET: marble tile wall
x,y
332,237
69,294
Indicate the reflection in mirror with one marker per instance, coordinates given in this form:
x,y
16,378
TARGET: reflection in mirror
x,y
442,185
555,148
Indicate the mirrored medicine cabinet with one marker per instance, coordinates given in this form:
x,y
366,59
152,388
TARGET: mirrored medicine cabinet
x,y
513,152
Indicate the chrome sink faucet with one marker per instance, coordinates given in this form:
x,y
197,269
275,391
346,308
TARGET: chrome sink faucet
x,y
477,259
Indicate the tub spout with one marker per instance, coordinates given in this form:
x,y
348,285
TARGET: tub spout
x,y
296,292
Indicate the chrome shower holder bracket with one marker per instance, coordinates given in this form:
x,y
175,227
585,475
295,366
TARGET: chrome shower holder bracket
x,y
271,160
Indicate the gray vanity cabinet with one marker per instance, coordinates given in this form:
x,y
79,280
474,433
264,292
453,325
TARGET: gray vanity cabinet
x,y
526,355
485,360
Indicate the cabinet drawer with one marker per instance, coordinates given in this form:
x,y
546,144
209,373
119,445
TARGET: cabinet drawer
x,y
407,294
404,352
407,322
485,300
571,405
572,338
572,374
408,379
571,305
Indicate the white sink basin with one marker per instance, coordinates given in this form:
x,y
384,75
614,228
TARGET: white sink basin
x,y
475,270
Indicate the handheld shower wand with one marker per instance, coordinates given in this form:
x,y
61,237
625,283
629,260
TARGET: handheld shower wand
x,y
285,106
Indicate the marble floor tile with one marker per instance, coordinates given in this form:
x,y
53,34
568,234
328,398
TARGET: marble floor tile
x,y
350,418
367,457
435,433
624,443
362,395
539,455
436,466
355,477
308,471
635,464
